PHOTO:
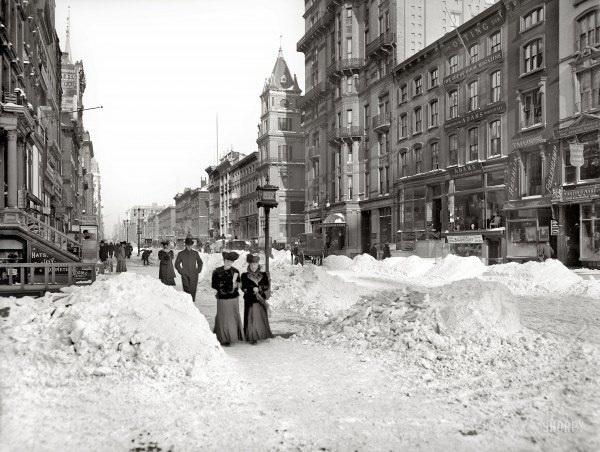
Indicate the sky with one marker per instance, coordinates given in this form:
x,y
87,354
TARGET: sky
x,y
163,70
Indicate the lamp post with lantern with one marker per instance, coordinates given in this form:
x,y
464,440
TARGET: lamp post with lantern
x,y
267,199
126,224
140,214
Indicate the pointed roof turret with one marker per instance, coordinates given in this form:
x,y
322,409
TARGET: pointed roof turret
x,y
281,77
68,37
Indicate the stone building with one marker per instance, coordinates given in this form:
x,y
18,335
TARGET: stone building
x,y
574,164
281,152
351,49
167,223
532,54
245,213
192,213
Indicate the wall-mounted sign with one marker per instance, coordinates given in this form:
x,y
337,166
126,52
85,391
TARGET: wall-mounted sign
x,y
477,115
465,170
554,228
579,194
473,68
511,177
476,31
469,238
520,143
576,158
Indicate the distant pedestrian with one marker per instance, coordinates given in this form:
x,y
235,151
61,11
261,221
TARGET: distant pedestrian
x,y
544,251
111,249
189,265
226,280
121,256
386,251
166,272
146,257
257,289
128,250
103,251
373,251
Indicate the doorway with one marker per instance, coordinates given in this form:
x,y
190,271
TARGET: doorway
x,y
365,231
572,234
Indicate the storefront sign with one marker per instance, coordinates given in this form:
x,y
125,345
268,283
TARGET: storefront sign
x,y
473,68
477,31
579,194
39,256
468,169
576,158
588,126
512,177
554,227
520,143
470,238
477,115
552,169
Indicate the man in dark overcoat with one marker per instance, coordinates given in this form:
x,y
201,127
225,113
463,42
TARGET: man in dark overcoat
x,y
189,265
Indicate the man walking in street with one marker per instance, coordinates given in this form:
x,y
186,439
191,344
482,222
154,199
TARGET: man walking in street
x,y
189,265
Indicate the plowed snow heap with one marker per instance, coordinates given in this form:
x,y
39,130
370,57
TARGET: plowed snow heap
x,y
441,322
125,325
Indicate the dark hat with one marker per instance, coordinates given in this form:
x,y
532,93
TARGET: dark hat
x,y
253,258
230,256
189,241
164,242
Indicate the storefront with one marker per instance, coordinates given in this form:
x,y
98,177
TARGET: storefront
x,y
334,230
577,200
476,198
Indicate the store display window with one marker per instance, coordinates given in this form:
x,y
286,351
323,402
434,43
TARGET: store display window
x,y
590,231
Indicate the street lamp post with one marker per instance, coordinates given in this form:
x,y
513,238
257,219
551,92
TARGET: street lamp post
x,y
267,199
126,224
139,228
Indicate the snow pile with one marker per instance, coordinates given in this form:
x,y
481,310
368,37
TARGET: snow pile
x,y
408,267
534,278
334,262
437,328
311,291
129,324
454,268
365,263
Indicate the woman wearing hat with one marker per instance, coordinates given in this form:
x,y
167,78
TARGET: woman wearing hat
x,y
166,272
256,287
225,280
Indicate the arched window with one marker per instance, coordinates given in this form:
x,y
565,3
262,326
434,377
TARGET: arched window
x,y
434,153
453,64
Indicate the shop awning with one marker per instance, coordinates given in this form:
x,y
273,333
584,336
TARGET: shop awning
x,y
334,219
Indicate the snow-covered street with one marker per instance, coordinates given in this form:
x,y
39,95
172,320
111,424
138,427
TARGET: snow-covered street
x,y
387,356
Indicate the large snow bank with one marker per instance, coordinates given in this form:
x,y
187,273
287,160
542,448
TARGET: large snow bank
x,y
334,262
534,278
311,291
129,324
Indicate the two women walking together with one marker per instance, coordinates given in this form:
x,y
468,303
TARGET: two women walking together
x,y
227,281
255,285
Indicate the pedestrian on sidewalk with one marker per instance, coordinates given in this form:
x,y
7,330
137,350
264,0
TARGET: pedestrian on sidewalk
x,y
120,254
257,290
103,251
386,251
189,265
226,280
111,249
146,257
166,272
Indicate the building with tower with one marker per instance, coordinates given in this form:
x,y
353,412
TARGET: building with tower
x,y
281,151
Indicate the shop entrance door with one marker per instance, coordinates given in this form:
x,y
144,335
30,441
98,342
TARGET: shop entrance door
x,y
436,210
572,225
365,225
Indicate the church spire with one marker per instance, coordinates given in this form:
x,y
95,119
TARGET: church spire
x,y
68,36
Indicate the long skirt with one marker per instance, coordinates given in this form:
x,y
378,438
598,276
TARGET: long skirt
x,y
257,326
121,266
228,324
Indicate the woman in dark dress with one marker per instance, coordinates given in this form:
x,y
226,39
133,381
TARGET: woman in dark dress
x,y
256,287
226,280
166,272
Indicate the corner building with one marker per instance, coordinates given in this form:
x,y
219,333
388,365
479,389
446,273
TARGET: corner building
x,y
351,49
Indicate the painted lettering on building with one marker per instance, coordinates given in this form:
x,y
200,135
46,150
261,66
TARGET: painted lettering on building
x,y
477,115
478,30
473,68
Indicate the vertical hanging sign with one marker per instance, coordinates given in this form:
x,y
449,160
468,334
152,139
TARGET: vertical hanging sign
x,y
576,158
552,169
512,177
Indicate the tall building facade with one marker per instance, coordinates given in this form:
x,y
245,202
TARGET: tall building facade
x,y
575,161
351,50
281,151
245,215
191,217
167,223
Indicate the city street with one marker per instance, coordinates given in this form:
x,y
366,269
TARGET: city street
x,y
302,394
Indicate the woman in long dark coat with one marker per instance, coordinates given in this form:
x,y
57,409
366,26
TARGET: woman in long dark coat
x,y
166,272
226,280
256,287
